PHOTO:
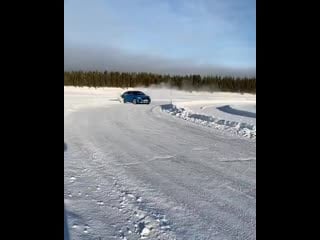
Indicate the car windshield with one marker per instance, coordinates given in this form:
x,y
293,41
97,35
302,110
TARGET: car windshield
x,y
137,93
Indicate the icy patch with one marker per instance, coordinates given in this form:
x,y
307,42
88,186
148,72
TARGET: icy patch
x,y
238,128
234,111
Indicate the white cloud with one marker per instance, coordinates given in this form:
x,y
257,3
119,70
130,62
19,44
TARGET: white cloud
x,y
114,59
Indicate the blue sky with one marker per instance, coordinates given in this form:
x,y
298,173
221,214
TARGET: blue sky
x,y
194,35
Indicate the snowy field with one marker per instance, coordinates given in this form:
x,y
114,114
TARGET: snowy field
x,y
183,167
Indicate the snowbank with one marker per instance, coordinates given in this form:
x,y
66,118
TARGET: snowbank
x,y
239,128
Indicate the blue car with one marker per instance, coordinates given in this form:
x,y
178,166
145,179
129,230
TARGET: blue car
x,y
135,97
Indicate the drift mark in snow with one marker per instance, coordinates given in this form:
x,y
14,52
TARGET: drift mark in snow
x,y
238,128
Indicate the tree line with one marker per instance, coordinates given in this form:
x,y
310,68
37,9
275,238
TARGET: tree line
x,y
188,82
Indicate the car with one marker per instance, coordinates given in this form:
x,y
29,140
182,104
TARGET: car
x,y
135,97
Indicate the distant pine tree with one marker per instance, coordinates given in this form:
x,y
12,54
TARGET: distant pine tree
x,y
188,82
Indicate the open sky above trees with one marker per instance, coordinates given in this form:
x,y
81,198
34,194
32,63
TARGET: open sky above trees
x,y
206,37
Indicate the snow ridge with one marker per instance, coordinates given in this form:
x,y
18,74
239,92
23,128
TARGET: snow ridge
x,y
238,128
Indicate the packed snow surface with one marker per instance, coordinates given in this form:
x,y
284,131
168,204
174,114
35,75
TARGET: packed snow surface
x,y
183,167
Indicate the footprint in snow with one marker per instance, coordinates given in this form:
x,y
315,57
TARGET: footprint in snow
x,y
86,229
74,226
101,203
145,232
131,196
72,179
